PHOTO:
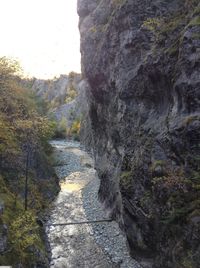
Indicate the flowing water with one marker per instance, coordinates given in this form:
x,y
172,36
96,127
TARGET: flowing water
x,y
87,245
73,245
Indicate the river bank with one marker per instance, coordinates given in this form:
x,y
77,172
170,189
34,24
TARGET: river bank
x,y
90,245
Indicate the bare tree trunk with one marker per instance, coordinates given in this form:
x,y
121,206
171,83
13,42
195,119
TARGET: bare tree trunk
x,y
26,182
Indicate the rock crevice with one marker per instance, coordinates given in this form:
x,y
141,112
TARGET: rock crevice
x,y
141,61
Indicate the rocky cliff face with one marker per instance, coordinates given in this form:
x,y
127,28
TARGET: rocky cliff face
x,y
141,60
63,94
57,88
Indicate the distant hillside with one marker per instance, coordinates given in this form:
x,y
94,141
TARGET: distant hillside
x,y
64,97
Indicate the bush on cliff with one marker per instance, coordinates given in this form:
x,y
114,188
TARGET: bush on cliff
x,y
24,134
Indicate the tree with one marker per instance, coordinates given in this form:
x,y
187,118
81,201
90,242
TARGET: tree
x,y
24,233
23,129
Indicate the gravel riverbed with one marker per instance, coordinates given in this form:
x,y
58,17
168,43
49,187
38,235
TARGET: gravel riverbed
x,y
99,245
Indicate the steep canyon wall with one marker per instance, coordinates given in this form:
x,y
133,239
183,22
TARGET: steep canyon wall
x,y
141,60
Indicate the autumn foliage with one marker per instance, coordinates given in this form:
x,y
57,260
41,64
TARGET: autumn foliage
x,y
24,135
21,125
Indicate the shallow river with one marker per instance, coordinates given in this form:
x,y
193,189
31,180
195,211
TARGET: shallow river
x,y
100,245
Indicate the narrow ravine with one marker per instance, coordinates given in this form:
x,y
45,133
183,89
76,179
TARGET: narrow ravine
x,y
90,245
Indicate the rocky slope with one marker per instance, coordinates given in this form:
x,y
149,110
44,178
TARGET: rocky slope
x,y
64,96
141,60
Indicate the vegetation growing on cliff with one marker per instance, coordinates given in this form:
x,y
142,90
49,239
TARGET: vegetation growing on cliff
x,y
169,30
60,103
24,134
143,73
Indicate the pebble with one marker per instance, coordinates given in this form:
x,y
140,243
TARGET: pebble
x,y
88,245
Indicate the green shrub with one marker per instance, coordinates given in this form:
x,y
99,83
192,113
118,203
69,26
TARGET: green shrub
x,y
75,128
61,129
71,95
125,181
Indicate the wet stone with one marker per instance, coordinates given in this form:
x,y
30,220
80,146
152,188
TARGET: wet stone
x,y
87,245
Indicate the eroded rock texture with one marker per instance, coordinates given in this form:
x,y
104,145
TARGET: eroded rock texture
x,y
141,60
64,95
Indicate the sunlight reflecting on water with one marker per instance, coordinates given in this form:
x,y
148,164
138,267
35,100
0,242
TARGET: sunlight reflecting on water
x,y
71,187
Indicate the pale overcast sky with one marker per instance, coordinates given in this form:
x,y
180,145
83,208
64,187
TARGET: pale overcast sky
x,y
42,34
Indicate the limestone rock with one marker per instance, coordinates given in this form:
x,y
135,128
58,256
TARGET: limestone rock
x,y
141,61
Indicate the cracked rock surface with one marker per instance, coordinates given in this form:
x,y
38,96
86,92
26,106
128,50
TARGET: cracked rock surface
x,y
141,63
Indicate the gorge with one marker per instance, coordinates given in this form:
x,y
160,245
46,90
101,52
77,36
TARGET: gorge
x,y
119,142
